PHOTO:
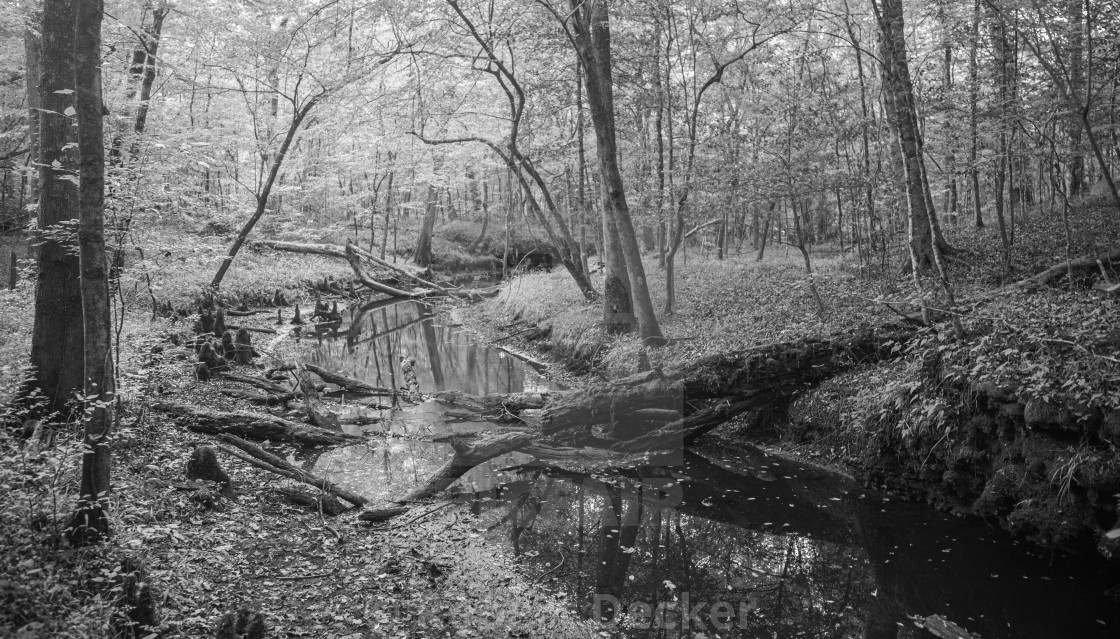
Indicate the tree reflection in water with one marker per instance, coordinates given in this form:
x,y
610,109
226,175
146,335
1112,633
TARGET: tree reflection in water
x,y
793,551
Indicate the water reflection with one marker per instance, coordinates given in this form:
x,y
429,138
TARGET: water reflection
x,y
775,549
371,340
765,547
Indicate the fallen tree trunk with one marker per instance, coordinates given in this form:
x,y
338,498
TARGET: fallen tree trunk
x,y
264,384
263,399
382,514
354,256
323,502
259,457
366,279
252,426
785,368
466,457
349,384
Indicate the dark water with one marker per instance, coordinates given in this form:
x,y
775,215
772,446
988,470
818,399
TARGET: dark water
x,y
756,545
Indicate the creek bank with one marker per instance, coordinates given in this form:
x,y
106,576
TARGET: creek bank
x,y
1028,441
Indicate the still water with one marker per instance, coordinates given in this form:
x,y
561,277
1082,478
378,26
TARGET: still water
x,y
756,545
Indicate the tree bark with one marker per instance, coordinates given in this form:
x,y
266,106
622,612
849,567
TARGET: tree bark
x,y
424,244
593,39
899,100
32,46
252,426
90,523
467,457
57,336
257,456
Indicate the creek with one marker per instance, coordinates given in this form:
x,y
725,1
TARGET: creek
x,y
754,544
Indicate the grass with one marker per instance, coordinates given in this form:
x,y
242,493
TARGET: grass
x,y
721,305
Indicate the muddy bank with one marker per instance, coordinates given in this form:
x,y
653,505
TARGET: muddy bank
x,y
1049,473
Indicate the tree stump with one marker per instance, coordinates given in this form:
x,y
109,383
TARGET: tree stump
x,y
244,624
243,348
219,323
137,613
228,347
203,465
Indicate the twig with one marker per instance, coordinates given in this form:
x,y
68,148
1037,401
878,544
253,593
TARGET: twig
x,y
417,518
549,572
294,577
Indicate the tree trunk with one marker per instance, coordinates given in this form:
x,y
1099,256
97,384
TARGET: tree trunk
x,y
424,244
266,189
466,457
32,46
1076,81
593,40
257,426
973,100
90,523
899,100
56,342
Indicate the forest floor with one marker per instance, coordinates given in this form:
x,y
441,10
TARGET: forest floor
x,y
429,573
432,574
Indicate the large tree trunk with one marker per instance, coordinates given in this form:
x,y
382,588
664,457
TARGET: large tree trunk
x,y
90,523
56,340
899,100
593,39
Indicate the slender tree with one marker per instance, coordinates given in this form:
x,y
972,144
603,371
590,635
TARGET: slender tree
x,y
590,33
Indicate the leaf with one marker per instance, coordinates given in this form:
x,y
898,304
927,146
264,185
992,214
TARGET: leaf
x,y
64,91
69,112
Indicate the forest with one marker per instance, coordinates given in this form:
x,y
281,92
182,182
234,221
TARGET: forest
x,y
560,318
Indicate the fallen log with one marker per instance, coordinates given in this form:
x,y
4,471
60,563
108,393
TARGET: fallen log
x,y
349,384
466,457
323,502
382,514
613,405
259,457
256,426
356,265
251,329
264,384
263,399
786,368
354,255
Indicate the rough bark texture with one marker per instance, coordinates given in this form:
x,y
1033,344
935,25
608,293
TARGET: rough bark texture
x,y
90,523
252,426
56,341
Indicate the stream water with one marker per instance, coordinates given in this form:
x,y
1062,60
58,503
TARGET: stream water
x,y
746,544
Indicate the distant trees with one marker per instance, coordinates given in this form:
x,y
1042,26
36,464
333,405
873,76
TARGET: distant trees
x,y
845,124
297,56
